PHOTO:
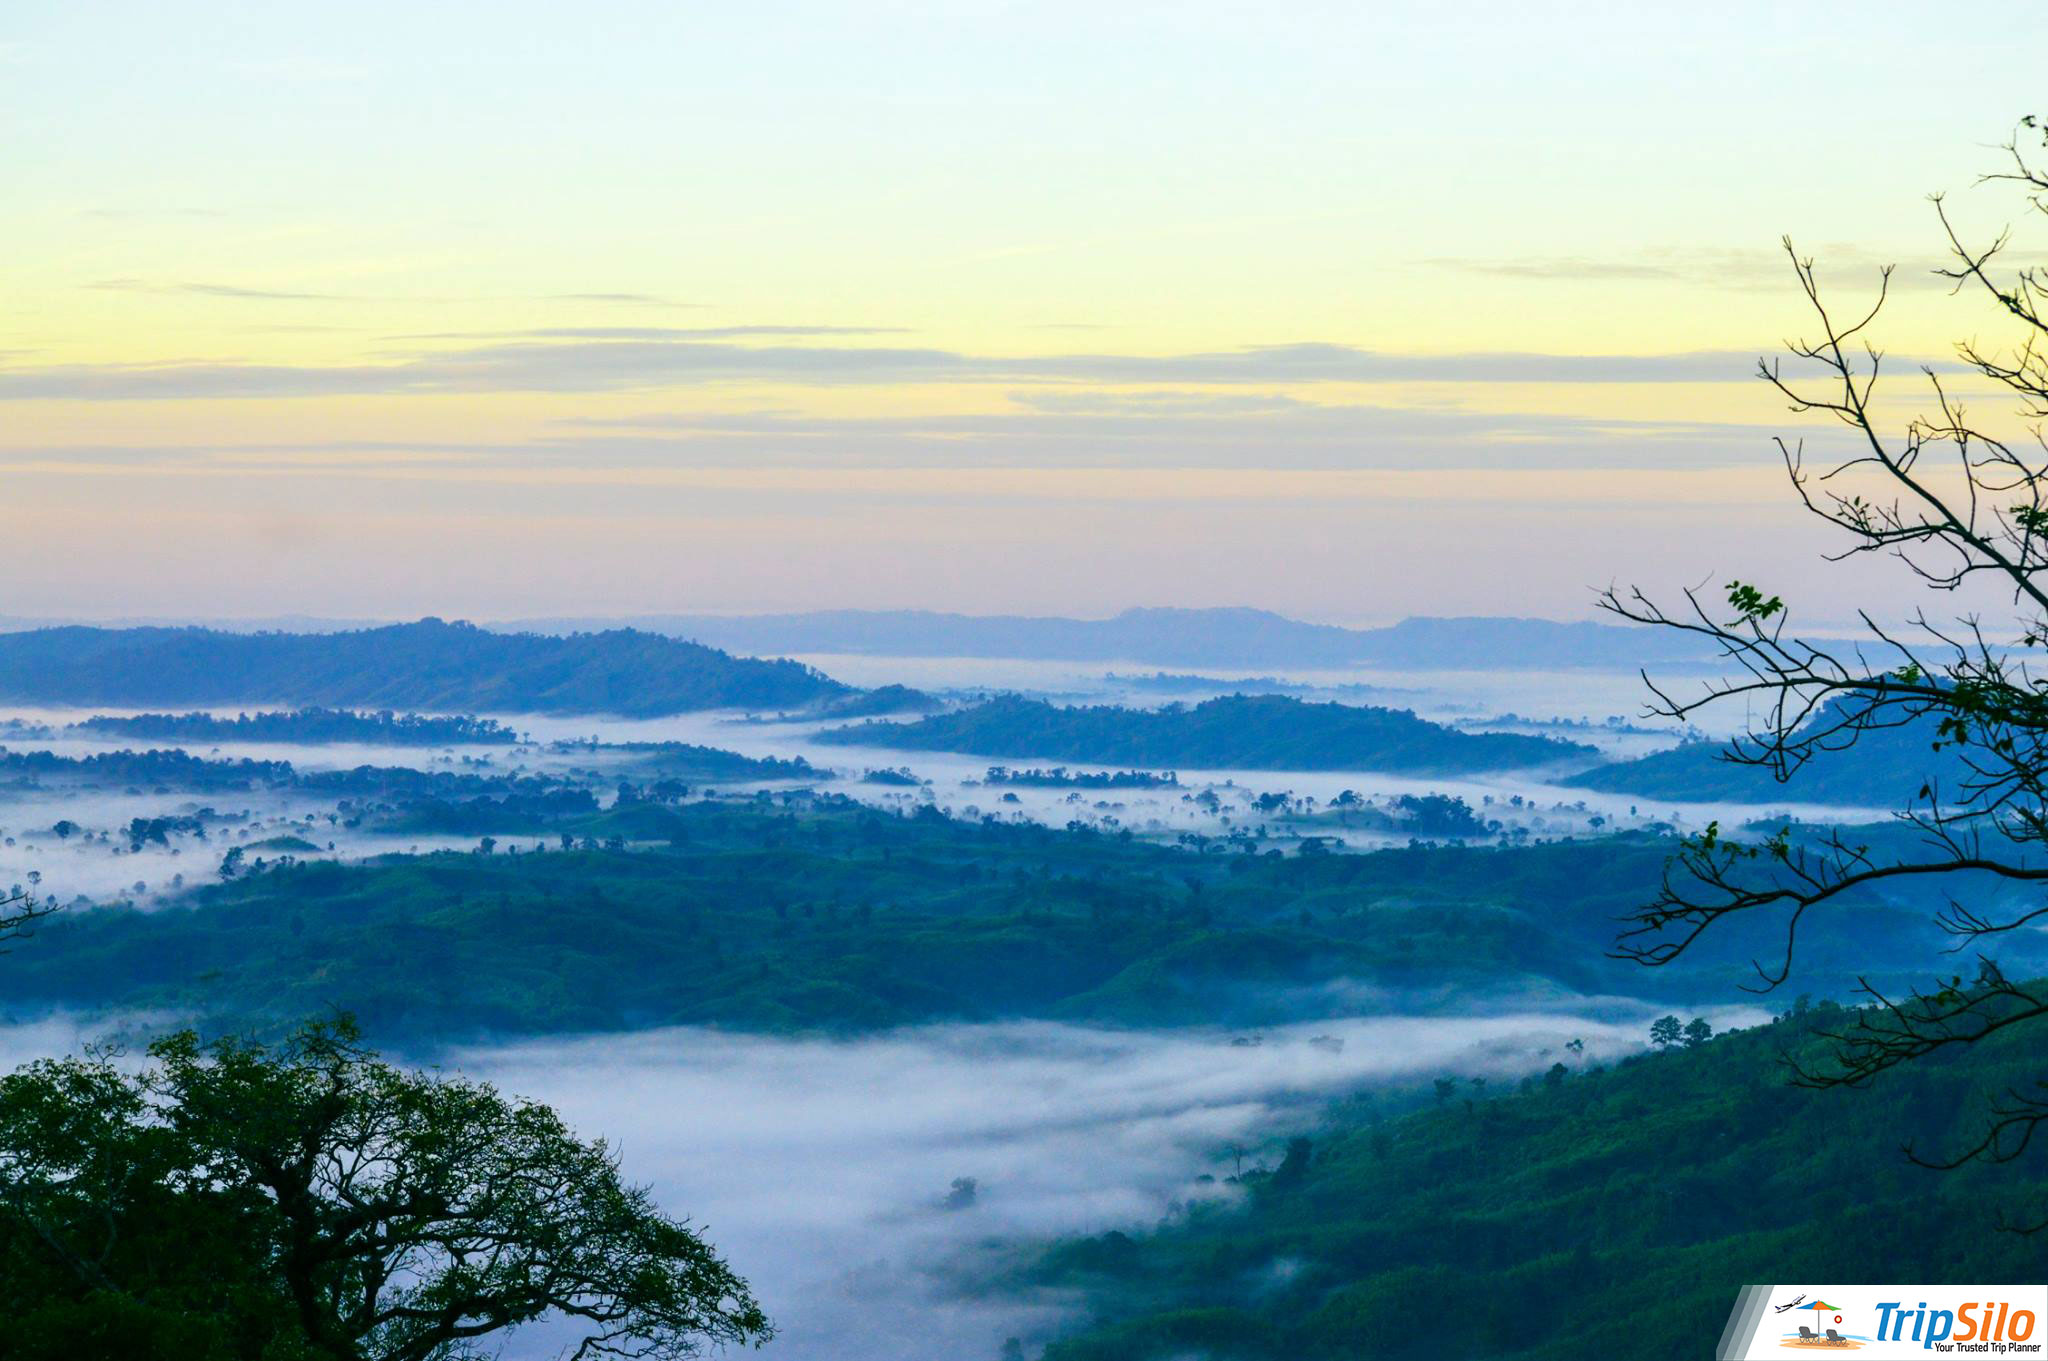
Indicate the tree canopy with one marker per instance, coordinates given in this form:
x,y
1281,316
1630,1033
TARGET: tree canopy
x,y
308,1200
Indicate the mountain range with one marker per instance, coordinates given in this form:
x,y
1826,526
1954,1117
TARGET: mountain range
x,y
1181,637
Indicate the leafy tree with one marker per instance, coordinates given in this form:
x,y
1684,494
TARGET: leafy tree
x,y
1665,1031
310,1201
1294,1166
1964,506
1697,1033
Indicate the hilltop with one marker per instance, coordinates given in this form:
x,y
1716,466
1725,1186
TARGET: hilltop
x,y
428,666
1240,732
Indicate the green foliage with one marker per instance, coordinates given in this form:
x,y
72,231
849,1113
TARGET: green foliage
x,y
1598,1214
1749,603
308,726
171,769
310,1201
827,915
1256,732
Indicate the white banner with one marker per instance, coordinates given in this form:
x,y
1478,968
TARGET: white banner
x,y
1880,1322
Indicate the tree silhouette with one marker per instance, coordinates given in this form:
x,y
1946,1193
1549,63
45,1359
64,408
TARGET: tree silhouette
x,y
1961,504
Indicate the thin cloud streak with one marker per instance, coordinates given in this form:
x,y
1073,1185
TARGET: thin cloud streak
x,y
585,365
657,332
1056,428
1751,270
211,290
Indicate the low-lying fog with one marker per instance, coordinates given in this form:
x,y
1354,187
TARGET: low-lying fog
x,y
823,1168
1527,804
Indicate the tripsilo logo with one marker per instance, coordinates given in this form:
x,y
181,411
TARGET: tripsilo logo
x,y
1884,1321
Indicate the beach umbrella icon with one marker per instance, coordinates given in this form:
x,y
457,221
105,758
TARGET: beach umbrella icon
x,y
1821,1307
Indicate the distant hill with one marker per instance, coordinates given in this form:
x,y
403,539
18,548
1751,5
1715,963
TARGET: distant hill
x,y
1183,637
1882,768
426,666
1255,732
383,728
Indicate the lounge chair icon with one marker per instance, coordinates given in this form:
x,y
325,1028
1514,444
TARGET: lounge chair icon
x,y
1836,1339
1807,1334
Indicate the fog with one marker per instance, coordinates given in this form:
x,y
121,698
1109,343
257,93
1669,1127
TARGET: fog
x,y
820,1167
1527,803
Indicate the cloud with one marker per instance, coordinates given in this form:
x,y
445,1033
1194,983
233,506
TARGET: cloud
x,y
1747,270
657,333
1169,403
819,1165
210,290
1169,429
1041,430
220,290
613,365
625,299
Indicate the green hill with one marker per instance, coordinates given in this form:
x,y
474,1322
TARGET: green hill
x,y
1605,1213
426,666
1884,767
1236,732
830,916
308,726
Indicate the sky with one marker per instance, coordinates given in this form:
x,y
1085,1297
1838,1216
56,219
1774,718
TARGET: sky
x,y
1348,311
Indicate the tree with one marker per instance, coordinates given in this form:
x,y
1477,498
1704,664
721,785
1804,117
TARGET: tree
x,y
1963,505
1294,1165
1665,1032
1697,1032
310,1201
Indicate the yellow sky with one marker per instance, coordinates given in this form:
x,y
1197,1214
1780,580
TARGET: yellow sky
x,y
1348,311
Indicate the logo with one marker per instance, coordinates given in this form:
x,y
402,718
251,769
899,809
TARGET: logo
x,y
1824,1330
1887,1322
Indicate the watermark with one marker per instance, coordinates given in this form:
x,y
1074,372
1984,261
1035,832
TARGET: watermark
x,y
1887,1321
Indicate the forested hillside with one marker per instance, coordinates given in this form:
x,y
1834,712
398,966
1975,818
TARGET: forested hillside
x,y
1255,732
430,665
1586,1214
823,915
1884,767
